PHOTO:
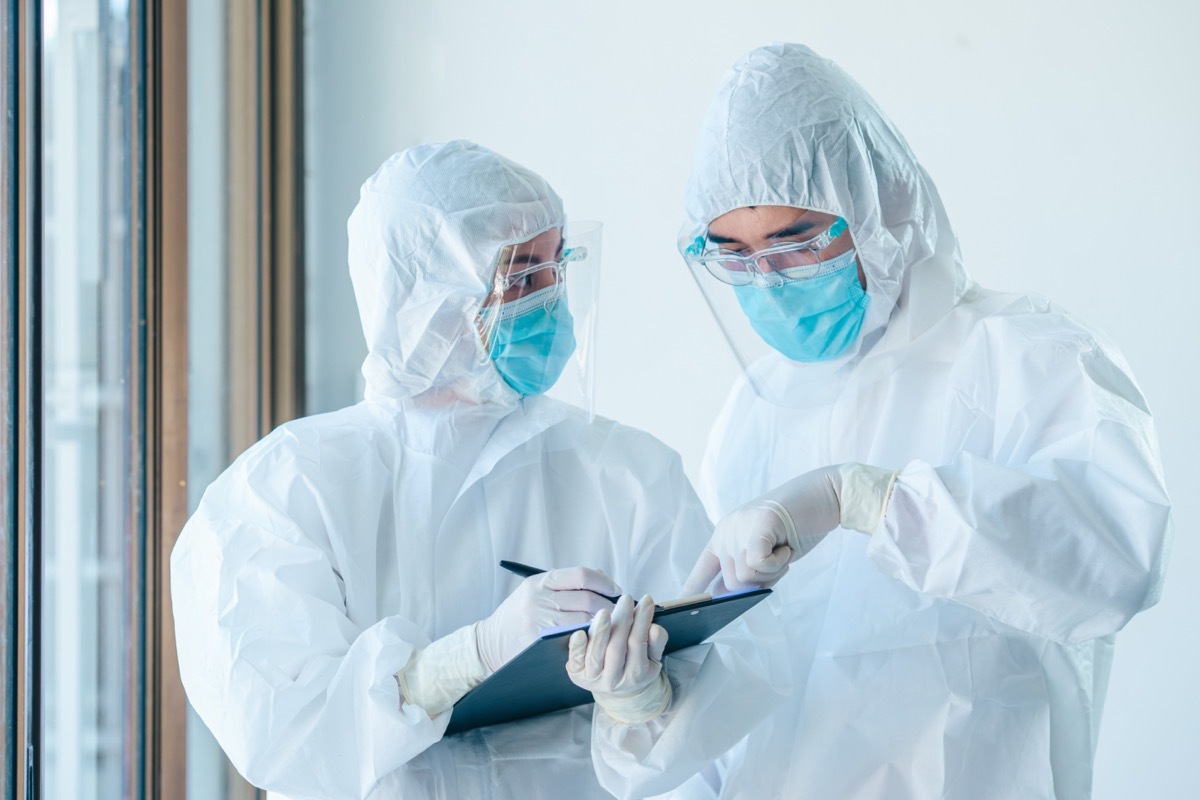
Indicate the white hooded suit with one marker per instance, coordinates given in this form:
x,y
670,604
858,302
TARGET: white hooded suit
x,y
340,543
963,649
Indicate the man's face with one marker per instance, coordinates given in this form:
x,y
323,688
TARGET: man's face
x,y
751,228
517,258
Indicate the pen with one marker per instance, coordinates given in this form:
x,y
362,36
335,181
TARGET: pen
x,y
524,570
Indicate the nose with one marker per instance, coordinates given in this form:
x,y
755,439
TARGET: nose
x,y
764,279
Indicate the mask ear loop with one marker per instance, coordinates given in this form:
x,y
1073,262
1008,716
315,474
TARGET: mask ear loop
x,y
569,256
560,279
487,318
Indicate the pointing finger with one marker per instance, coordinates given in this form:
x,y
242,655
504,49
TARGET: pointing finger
x,y
707,567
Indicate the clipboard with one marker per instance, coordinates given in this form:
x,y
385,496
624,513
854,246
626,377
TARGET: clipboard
x,y
535,681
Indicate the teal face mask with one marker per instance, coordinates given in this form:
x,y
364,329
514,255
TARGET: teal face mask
x,y
531,340
809,320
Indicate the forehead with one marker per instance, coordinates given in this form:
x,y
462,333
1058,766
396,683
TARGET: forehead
x,y
545,242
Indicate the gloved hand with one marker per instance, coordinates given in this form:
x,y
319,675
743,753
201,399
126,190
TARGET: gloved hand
x,y
556,598
753,544
619,660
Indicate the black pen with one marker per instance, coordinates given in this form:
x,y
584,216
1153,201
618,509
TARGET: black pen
x,y
524,570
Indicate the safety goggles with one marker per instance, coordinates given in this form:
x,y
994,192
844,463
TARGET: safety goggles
x,y
785,261
511,285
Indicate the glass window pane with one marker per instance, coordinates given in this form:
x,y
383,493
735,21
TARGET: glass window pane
x,y
90,467
342,151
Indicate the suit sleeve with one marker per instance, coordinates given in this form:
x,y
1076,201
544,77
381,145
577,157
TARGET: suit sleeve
x,y
303,700
1053,518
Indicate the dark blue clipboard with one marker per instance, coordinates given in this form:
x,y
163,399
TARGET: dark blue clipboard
x,y
535,681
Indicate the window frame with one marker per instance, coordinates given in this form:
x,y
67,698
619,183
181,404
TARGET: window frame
x,y
157,394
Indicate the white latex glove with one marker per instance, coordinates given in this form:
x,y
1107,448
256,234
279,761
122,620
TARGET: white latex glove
x,y
560,597
436,676
619,660
753,544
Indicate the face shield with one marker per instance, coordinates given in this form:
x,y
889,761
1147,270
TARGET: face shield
x,y
538,321
790,300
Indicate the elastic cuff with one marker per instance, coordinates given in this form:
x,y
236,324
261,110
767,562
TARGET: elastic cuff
x,y
641,707
437,676
864,495
789,526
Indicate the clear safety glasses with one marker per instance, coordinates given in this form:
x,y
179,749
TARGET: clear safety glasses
x,y
785,261
517,279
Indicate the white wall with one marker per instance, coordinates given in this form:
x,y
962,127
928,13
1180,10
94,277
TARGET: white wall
x,y
1064,136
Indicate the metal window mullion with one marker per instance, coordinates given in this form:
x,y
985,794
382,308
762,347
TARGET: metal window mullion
x,y
262,199
285,221
161,181
29,379
138,710
9,401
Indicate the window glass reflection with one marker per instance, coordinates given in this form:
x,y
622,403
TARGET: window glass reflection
x,y
90,708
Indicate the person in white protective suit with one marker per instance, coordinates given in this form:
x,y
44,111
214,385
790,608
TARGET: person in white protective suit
x,y
965,483
337,589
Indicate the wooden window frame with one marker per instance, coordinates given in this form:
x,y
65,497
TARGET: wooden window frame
x,y
266,217
266,299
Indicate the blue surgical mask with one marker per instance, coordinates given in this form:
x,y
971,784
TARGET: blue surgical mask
x,y
809,320
531,340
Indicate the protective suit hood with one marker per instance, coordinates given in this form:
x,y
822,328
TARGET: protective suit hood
x,y
790,128
424,242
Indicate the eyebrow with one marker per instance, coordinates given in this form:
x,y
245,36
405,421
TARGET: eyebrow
x,y
795,229
718,239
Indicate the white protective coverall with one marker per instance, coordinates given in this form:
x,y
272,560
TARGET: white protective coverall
x,y
340,543
963,649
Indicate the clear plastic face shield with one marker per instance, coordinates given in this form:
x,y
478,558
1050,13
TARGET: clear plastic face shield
x,y
785,286
538,320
